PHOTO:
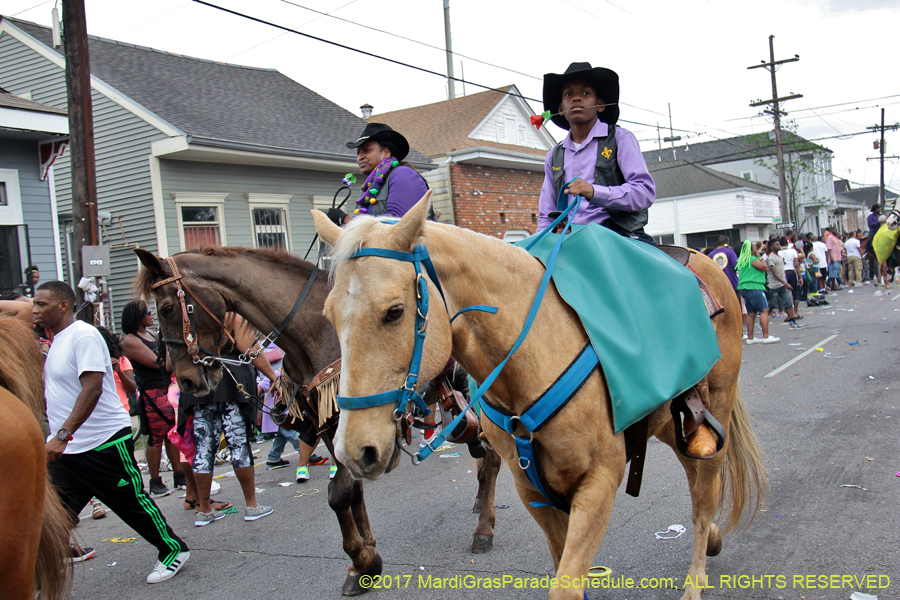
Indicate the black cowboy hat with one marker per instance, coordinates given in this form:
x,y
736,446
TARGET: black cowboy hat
x,y
604,81
382,133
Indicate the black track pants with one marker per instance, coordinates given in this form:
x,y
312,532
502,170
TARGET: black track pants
x,y
110,473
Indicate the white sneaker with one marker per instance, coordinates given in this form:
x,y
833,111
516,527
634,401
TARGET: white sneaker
x,y
770,340
162,573
745,337
753,341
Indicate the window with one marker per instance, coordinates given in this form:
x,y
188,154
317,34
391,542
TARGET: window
x,y
200,219
269,217
512,131
269,227
748,175
3,200
200,226
668,239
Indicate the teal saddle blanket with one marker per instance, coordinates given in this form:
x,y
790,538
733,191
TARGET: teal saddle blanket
x,y
644,314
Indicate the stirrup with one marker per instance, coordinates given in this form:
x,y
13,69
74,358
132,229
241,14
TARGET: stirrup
x,y
691,407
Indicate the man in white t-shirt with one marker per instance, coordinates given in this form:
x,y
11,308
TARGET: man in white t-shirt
x,y
90,451
791,268
854,258
820,250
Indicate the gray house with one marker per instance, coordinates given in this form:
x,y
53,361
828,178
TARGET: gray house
x,y
189,151
30,135
809,181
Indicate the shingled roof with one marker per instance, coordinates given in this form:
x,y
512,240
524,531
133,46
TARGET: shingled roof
x,y
682,178
732,149
443,127
866,196
222,104
8,100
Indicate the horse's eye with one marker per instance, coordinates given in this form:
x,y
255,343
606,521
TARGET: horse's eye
x,y
167,310
393,314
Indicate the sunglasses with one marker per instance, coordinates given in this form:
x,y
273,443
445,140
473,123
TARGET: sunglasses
x,y
149,311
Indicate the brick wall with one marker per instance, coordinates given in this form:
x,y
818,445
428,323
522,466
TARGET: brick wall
x,y
508,198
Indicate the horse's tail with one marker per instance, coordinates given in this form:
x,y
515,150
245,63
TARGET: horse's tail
x,y
745,482
53,570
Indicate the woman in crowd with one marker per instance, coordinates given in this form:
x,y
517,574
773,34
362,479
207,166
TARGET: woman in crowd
x,y
144,350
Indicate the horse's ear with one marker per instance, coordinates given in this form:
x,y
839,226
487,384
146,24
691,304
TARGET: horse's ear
x,y
328,231
407,231
151,261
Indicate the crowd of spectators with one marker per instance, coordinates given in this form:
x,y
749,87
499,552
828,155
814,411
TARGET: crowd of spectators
x,y
773,277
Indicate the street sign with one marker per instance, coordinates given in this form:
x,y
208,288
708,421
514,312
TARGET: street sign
x,y
780,226
95,261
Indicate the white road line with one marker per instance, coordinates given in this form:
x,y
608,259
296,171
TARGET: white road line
x,y
796,358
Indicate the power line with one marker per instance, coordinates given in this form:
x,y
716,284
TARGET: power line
x,y
369,27
22,12
363,52
595,16
328,14
827,106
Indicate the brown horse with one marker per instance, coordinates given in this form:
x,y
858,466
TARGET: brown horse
x,y
373,308
34,528
262,285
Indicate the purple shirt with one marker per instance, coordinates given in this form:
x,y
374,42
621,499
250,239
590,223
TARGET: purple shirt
x,y
406,188
872,222
637,193
726,260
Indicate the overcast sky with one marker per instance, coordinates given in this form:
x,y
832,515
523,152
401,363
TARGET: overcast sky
x,y
693,54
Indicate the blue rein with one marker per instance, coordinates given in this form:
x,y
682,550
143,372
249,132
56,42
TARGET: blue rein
x,y
420,258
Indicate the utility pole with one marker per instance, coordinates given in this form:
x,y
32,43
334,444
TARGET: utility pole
x,y
671,137
882,156
451,92
785,212
81,136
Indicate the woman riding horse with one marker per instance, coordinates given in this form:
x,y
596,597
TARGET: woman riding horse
x,y
391,187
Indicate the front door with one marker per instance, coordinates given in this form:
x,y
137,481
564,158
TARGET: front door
x,y
10,261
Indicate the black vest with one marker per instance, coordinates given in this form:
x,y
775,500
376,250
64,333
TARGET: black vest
x,y
607,173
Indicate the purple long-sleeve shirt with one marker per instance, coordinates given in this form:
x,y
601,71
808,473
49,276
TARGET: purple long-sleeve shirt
x,y
872,222
637,193
406,188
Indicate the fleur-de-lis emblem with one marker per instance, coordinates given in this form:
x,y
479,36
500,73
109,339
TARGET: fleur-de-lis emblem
x,y
606,152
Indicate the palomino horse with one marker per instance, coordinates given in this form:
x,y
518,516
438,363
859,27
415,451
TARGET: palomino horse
x,y
261,285
34,529
373,306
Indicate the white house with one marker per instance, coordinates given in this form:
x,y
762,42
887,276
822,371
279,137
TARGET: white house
x,y
695,205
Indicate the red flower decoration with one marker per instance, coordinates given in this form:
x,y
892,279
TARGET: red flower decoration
x,y
537,121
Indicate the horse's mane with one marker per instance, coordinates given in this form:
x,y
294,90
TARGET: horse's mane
x,y
21,365
276,255
355,233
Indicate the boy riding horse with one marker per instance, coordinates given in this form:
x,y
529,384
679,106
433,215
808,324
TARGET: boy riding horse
x,y
609,174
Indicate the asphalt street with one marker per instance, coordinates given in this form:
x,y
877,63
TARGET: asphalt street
x,y
826,422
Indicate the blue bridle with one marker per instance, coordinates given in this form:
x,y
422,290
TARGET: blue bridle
x,y
407,393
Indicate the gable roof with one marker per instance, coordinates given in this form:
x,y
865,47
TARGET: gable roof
x,y
443,127
221,104
8,100
732,149
866,196
682,178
